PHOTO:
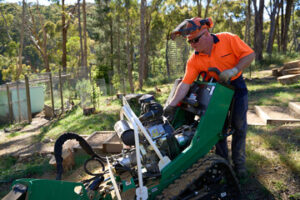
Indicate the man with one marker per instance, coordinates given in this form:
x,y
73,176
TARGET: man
x,y
231,56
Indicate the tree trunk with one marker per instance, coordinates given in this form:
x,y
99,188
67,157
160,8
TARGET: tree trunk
x,y
248,24
121,75
287,19
295,41
278,28
64,37
84,39
258,34
41,46
199,7
272,27
45,55
207,7
19,71
282,26
111,55
80,36
218,14
167,57
142,45
129,63
147,40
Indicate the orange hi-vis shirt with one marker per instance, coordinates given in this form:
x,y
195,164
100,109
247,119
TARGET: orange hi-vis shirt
x,y
227,50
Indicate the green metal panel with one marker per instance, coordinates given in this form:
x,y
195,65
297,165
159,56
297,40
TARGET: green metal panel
x,y
52,189
207,135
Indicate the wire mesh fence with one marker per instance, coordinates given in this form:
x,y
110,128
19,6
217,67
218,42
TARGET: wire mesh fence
x,y
53,93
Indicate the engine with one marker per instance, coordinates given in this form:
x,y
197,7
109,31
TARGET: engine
x,y
168,141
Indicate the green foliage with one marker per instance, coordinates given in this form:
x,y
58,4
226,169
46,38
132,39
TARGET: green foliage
x,y
85,89
7,162
11,169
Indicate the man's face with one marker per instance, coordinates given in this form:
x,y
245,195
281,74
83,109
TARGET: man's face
x,y
199,43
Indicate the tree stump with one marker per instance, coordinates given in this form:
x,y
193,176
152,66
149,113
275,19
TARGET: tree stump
x,y
68,160
88,111
289,79
48,112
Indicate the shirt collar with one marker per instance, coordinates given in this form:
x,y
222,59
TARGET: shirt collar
x,y
215,38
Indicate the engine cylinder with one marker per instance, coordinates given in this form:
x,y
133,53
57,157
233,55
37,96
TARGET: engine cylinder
x,y
125,132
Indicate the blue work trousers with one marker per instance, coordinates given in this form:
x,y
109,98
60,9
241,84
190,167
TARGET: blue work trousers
x,y
239,124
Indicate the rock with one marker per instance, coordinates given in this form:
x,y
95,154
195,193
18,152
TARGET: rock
x,y
47,140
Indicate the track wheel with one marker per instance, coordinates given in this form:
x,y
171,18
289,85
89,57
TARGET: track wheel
x,y
211,178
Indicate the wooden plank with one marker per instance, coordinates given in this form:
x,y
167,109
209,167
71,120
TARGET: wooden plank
x,y
295,108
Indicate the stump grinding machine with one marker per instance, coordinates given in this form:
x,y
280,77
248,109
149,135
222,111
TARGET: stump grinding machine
x,y
162,160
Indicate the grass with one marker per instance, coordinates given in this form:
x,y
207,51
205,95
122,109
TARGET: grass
x,y
269,92
11,169
273,157
76,122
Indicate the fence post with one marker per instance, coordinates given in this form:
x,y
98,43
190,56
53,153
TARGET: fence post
x,y
19,103
61,93
28,99
11,114
51,91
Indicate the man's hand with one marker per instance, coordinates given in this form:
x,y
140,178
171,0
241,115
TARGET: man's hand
x,y
228,74
169,112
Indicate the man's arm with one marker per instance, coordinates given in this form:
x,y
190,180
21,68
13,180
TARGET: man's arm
x,y
180,93
245,61
242,64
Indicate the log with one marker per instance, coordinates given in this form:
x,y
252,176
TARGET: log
x,y
291,65
291,71
289,79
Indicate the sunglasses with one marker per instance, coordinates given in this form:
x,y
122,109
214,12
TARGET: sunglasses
x,y
195,40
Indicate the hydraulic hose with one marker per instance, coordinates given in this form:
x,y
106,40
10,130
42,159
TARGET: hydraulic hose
x,y
83,143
